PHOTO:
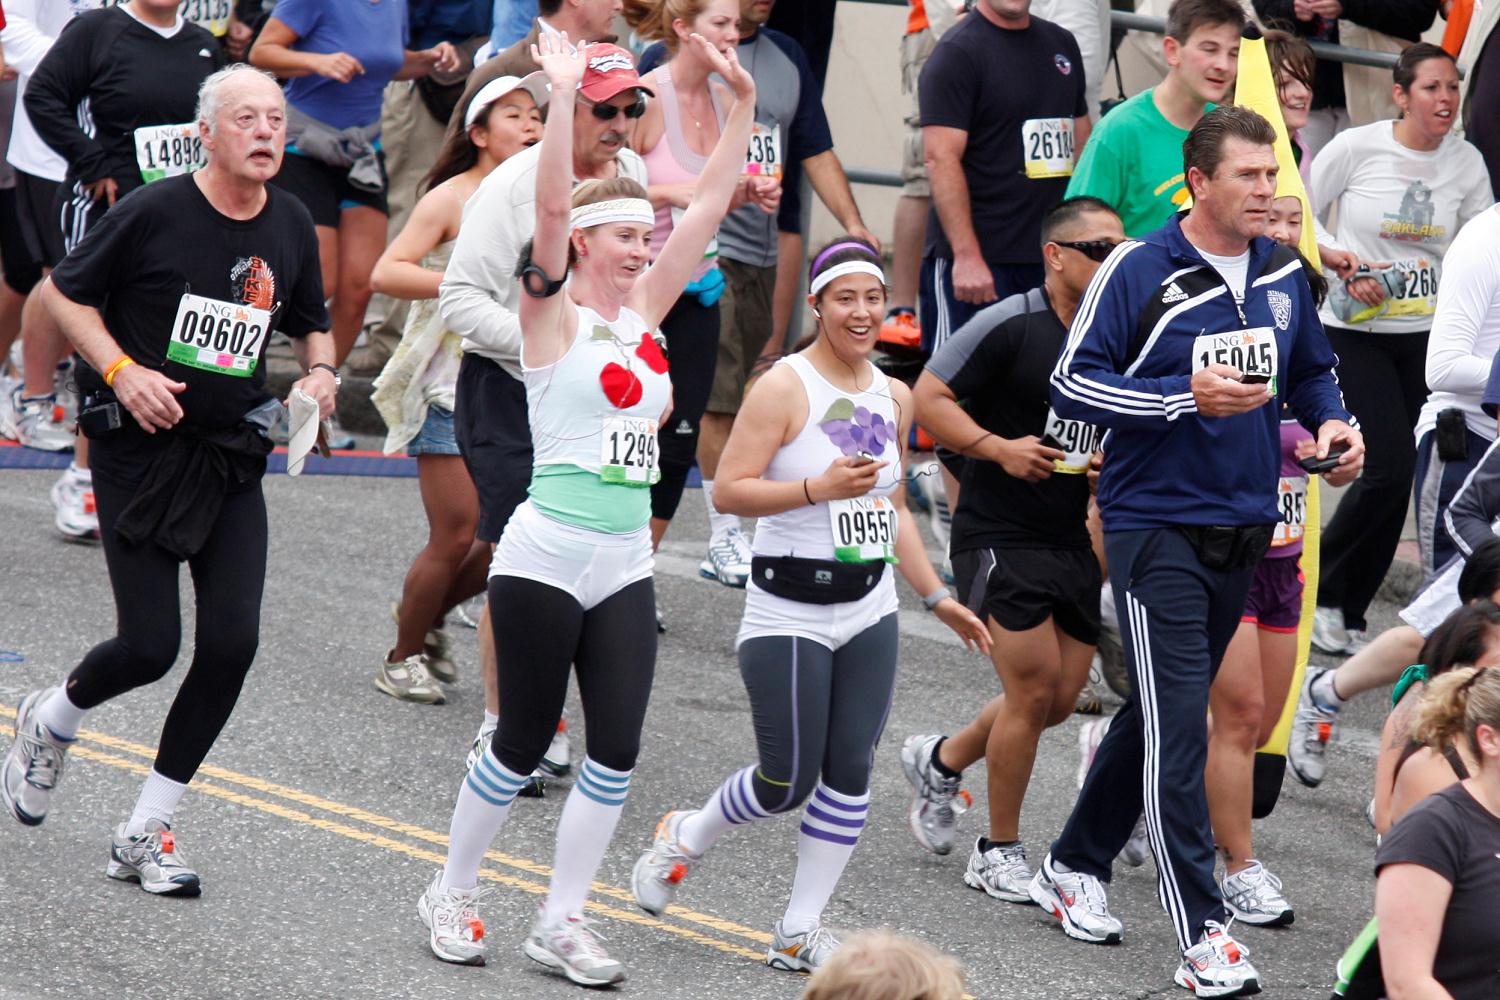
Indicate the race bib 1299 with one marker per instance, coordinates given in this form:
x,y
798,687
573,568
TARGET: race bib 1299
x,y
627,452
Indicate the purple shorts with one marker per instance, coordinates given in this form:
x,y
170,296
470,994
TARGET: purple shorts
x,y
1275,600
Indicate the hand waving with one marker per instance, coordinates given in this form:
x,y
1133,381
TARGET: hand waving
x,y
726,63
563,64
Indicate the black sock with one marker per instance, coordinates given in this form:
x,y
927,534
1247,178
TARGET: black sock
x,y
938,765
986,843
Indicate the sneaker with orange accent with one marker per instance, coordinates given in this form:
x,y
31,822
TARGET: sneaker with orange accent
x,y
152,859
73,505
1218,966
660,870
455,932
901,329
1078,901
805,952
1312,731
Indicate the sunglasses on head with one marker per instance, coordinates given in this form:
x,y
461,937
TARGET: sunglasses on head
x,y
605,111
1094,250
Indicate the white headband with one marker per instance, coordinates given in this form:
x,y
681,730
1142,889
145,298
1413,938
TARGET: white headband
x,y
847,267
617,210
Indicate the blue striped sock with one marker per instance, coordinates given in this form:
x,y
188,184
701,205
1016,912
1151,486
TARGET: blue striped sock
x,y
583,835
483,804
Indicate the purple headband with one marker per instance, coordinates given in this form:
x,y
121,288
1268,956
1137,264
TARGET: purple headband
x,y
850,245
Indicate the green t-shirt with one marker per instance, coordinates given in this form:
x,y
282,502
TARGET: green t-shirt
x,y
1133,161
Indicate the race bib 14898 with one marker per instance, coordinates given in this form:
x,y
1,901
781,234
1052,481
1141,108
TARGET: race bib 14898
x,y
168,150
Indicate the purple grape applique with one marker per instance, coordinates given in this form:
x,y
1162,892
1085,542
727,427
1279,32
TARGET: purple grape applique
x,y
854,429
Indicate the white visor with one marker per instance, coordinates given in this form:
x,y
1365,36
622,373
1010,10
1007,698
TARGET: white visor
x,y
534,84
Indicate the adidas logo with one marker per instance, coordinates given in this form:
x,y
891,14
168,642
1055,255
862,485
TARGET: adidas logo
x,y
1173,294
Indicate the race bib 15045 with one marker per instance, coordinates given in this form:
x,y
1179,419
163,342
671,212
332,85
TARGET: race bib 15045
x,y
1253,352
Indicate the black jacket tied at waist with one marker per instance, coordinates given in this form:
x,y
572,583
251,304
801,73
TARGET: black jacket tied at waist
x,y
178,501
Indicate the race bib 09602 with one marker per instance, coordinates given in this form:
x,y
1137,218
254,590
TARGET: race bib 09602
x,y
864,529
216,336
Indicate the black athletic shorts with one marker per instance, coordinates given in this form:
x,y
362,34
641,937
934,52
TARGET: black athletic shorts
x,y
494,437
22,269
1021,588
36,199
325,191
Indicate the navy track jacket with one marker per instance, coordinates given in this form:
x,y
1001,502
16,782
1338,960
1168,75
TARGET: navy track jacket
x,y
1129,360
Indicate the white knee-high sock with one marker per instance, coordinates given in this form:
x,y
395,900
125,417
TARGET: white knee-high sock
x,y
58,713
483,803
583,834
719,525
732,804
158,800
830,829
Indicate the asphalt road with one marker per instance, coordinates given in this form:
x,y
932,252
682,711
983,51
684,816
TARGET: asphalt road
x,y
323,810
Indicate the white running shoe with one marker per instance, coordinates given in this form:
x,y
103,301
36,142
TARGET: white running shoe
x,y
153,860
1253,896
1002,872
476,749
558,760
1312,730
1090,735
38,424
439,650
932,815
1138,848
1330,635
1218,966
10,390
73,506
1078,901
409,680
660,870
805,952
728,559
34,765
455,932
572,946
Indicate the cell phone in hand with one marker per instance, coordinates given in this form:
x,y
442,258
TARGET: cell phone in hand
x,y
1253,378
863,458
1314,465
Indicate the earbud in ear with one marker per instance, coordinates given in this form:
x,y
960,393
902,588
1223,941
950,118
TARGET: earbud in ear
x,y
816,313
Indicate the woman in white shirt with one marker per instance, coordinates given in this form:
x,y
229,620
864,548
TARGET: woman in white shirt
x,y
1401,189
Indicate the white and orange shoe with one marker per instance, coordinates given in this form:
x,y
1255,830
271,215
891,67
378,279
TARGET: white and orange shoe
x,y
455,931
1218,966
660,870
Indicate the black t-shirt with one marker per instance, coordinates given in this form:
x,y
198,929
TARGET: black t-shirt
x,y
1452,834
109,75
196,294
999,365
1011,91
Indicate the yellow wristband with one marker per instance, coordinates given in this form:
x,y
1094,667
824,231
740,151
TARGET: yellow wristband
x,y
114,369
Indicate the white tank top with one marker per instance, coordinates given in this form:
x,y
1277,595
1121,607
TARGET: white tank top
x,y
838,423
590,407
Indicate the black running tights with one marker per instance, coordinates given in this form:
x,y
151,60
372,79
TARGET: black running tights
x,y
692,333
229,575
541,634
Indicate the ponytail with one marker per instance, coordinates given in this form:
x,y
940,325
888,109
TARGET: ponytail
x,y
1458,703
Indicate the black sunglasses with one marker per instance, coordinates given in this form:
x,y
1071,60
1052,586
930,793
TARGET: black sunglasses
x,y
1094,250
606,112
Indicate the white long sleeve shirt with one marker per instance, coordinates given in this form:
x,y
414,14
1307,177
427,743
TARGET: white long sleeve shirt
x,y
31,26
1398,204
480,296
1088,21
1466,327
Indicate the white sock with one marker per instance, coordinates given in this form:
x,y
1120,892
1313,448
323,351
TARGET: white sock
x,y
1324,692
60,715
732,804
583,834
830,828
719,525
158,800
83,477
491,720
483,803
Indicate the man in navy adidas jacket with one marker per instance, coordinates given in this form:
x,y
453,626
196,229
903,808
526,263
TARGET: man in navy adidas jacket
x,y
1185,345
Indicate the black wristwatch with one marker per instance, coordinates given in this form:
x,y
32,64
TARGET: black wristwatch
x,y
338,379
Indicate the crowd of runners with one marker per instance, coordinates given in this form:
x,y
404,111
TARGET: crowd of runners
x,y
1117,352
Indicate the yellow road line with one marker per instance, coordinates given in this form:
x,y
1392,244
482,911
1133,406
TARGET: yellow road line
x,y
408,830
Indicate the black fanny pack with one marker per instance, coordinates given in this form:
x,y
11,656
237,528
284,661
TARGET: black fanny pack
x,y
1222,547
815,581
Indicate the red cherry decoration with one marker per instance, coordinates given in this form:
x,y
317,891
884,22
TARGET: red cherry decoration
x,y
649,351
621,386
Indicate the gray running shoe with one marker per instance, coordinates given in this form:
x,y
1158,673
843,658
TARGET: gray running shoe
x,y
153,860
1254,897
932,815
728,559
1091,695
1312,730
660,870
409,680
1138,848
36,427
34,765
439,650
805,952
455,932
1002,872
572,946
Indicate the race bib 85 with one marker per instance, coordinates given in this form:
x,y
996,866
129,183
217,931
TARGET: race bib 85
x,y
1291,500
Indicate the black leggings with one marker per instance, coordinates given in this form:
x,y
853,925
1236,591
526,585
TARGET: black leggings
x,y
692,333
229,575
818,712
1384,383
540,632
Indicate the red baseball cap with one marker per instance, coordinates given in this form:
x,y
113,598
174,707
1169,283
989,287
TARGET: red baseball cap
x,y
610,71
